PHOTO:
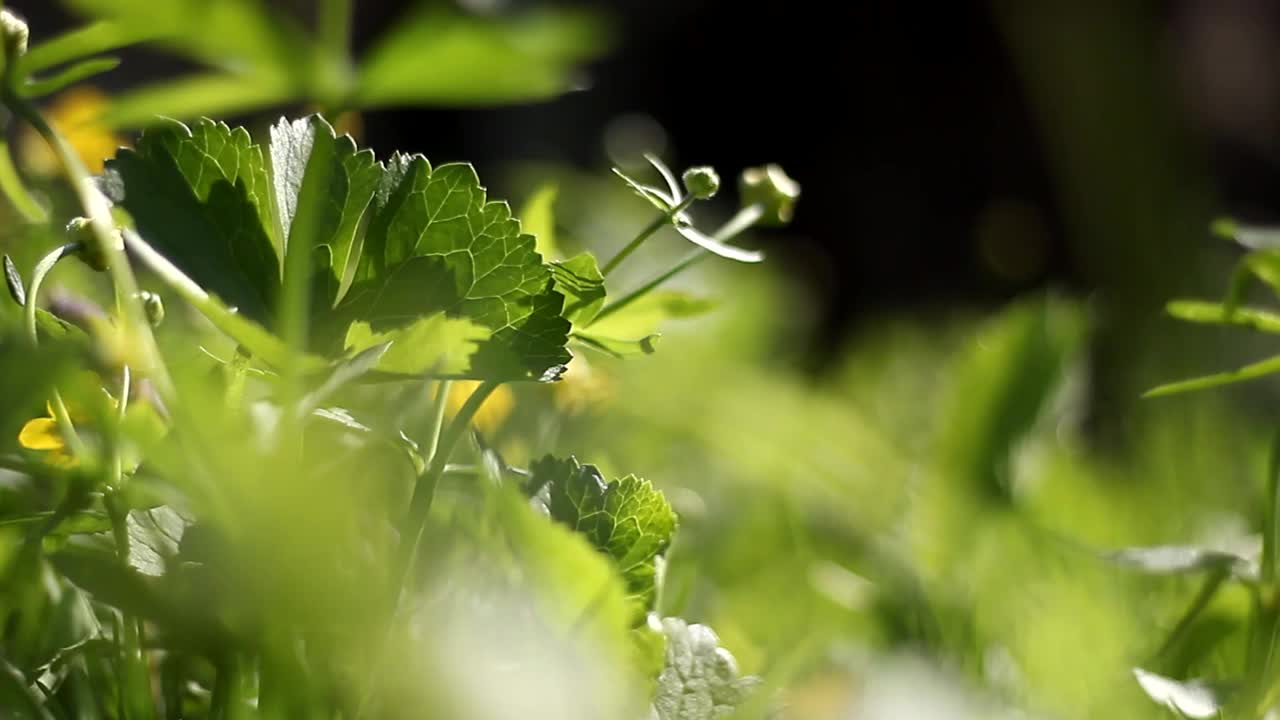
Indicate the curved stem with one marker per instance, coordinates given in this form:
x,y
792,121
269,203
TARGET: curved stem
x,y
37,280
739,223
437,419
653,227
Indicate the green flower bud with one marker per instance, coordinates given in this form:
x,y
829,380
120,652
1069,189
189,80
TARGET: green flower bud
x,y
14,33
701,182
91,250
153,306
770,188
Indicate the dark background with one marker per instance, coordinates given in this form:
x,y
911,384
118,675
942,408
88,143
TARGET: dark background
x,y
950,153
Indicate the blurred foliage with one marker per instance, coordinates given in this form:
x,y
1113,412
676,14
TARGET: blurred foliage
x,y
925,529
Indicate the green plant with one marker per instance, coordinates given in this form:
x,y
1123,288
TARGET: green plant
x,y
257,501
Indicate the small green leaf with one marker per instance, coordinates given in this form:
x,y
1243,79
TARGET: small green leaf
x,y
582,285
626,519
13,280
1218,314
700,679
646,345
507,60
1188,698
1252,371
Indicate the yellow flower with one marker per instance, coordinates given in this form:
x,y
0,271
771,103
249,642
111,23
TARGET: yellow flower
x,y
493,411
76,114
583,387
43,434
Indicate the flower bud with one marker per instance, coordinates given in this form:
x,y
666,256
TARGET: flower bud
x,y
702,182
91,250
770,188
14,33
153,306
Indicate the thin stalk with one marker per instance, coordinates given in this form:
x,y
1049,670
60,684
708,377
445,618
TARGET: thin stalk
x,y
653,227
740,222
59,408
1271,514
334,27
11,184
437,420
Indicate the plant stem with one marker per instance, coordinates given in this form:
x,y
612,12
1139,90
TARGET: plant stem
x,y
653,227
437,420
1271,515
745,218
58,407
11,184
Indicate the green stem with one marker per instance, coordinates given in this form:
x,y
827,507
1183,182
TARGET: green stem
x,y
11,184
334,27
59,408
1271,515
653,227
739,223
437,420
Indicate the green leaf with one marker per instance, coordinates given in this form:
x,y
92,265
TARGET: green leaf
x,y
700,679
435,243
615,347
433,344
626,519
1252,371
1212,313
200,197
1189,698
393,245
582,285
68,77
538,217
195,96
154,537
82,42
507,60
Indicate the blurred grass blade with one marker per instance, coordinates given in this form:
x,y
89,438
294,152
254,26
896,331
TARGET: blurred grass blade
x,y
537,217
89,40
70,76
196,96
530,57
1248,372
1211,313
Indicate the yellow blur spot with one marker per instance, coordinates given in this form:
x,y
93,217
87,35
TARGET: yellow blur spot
x,y
582,388
75,115
493,411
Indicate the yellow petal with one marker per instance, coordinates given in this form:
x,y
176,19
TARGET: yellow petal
x,y
41,434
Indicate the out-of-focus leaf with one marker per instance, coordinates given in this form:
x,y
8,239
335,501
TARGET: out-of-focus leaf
x,y
1189,698
619,348
582,285
626,519
1180,559
700,679
65,78
193,97
517,59
1252,371
98,37
154,536
537,216
1218,314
